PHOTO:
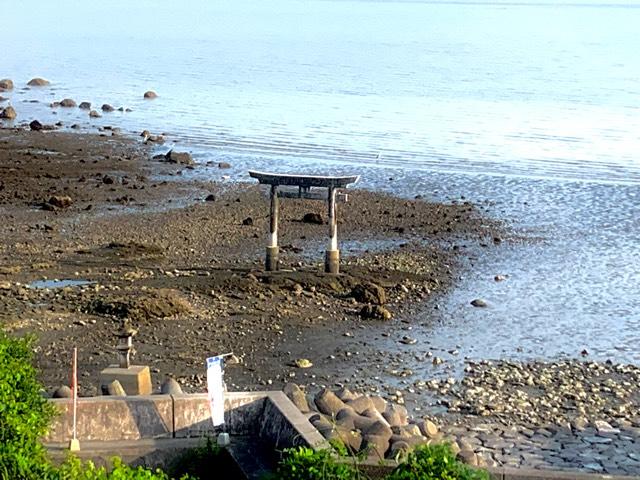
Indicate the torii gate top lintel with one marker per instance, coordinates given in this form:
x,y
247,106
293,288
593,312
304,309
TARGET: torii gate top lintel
x,y
304,184
303,180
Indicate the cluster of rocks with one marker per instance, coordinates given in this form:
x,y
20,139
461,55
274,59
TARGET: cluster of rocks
x,y
566,393
374,298
371,425
115,389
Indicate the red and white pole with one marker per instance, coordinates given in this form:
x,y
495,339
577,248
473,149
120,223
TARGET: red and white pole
x,y
74,444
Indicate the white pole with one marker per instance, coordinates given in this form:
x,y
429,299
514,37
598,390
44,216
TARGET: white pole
x,y
74,445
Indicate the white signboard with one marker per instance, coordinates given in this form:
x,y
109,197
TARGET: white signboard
x,y
215,389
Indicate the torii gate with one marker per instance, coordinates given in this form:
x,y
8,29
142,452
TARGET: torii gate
x,y
304,183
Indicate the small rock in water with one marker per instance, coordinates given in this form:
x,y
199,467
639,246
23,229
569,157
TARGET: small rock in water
x,y
85,106
94,114
479,302
150,95
38,82
9,113
500,278
224,165
181,158
36,126
107,108
67,102
408,340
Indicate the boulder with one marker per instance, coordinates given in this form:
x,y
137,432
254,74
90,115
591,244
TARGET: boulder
x,y
6,84
328,403
314,218
428,428
8,113
67,102
410,430
349,438
38,82
376,445
36,126
297,396
324,426
62,392
171,387
379,403
396,415
360,404
346,421
94,114
181,158
380,429
369,293
375,312
374,415
399,449
107,108
224,165
60,201
85,105
115,389
345,394
150,95
469,457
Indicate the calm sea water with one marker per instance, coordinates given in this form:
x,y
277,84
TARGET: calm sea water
x,y
531,106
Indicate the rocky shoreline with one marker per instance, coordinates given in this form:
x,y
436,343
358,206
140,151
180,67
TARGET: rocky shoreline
x,y
566,415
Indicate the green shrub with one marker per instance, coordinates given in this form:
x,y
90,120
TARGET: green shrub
x,y
74,469
304,463
201,461
24,413
435,462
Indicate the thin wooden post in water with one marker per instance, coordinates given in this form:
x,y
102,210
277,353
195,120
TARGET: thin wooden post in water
x,y
271,261
332,255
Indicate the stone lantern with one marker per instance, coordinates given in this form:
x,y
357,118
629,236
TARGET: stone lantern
x,y
135,379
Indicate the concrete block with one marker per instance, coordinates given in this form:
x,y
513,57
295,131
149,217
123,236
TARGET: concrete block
x,y
192,414
114,418
136,380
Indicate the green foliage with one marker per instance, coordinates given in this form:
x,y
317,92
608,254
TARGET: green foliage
x,y
24,418
307,464
24,413
198,462
429,462
435,462
74,469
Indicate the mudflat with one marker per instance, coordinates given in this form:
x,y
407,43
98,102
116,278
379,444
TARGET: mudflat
x,y
130,237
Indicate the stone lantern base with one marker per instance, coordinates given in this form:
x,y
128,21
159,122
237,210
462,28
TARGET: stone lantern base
x,y
136,379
